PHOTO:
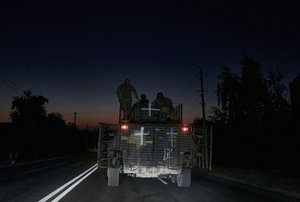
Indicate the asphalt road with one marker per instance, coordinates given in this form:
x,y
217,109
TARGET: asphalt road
x,y
40,182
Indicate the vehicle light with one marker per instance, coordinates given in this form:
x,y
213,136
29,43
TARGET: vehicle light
x,y
185,129
124,127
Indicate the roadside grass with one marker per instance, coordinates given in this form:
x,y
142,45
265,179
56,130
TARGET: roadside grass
x,y
274,180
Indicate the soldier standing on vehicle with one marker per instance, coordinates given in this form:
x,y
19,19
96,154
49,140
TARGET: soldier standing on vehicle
x,y
124,93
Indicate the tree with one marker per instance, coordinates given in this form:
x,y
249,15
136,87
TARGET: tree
x,y
56,119
253,116
276,90
41,135
243,104
28,109
277,120
228,94
254,93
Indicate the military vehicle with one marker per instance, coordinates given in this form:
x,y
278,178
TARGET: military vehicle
x,y
153,143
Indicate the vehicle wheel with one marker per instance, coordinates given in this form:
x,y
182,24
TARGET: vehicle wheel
x,y
184,178
173,179
113,176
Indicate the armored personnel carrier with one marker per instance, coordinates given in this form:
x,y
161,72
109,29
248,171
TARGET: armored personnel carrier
x,y
153,143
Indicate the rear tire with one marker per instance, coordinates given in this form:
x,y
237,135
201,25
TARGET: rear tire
x,y
113,176
184,178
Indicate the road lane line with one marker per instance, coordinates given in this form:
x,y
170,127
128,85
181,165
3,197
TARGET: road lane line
x,y
66,184
162,180
72,187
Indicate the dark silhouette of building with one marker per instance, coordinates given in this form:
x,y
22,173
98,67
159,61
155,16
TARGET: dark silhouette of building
x,y
295,96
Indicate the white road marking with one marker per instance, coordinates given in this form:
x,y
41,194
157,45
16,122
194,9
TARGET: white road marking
x,y
162,180
35,170
67,184
72,187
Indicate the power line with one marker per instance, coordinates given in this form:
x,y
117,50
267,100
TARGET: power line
x,y
6,92
184,91
10,85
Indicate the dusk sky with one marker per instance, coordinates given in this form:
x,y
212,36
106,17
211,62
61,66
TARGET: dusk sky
x,y
76,53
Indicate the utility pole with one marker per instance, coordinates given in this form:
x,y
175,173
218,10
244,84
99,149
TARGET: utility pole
x,y
203,160
201,92
202,95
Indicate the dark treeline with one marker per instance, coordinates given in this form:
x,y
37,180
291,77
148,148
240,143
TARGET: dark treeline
x,y
253,123
34,134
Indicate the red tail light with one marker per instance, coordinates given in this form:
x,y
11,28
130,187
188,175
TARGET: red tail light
x,y
185,129
124,127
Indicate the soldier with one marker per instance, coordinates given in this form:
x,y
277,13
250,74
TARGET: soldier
x,y
144,102
124,93
164,104
136,108
161,101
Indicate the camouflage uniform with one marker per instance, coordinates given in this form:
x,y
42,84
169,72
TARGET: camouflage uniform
x,y
124,93
144,102
162,101
164,104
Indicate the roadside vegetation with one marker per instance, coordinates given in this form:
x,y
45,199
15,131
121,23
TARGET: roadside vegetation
x,y
256,128
34,134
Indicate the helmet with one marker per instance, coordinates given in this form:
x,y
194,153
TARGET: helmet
x,y
159,94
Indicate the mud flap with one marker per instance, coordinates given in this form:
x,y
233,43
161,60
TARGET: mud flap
x,y
113,176
184,178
